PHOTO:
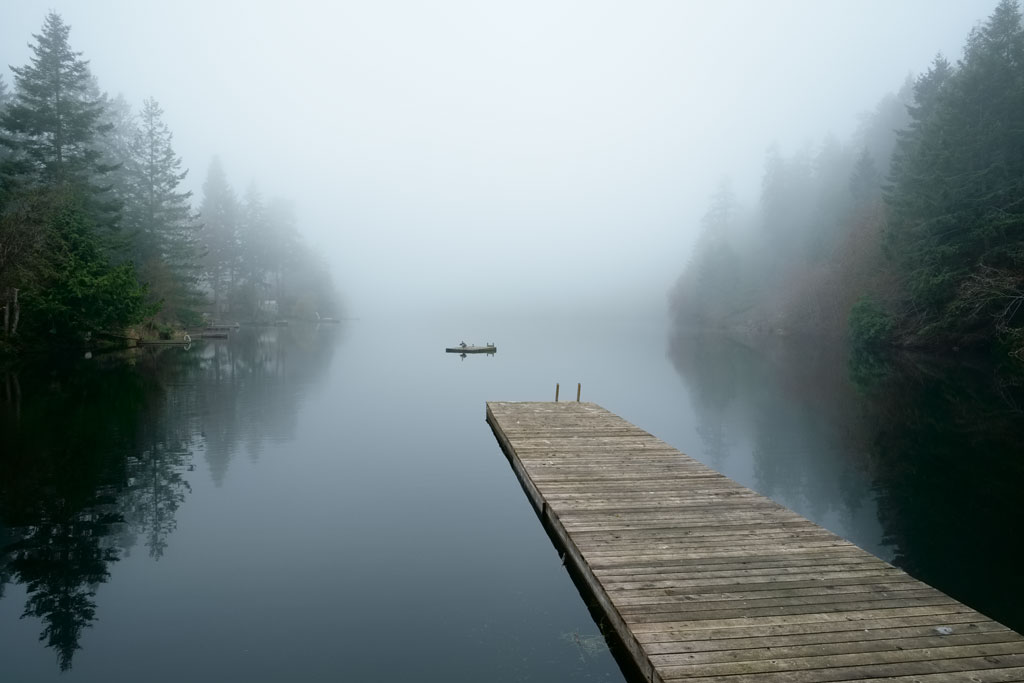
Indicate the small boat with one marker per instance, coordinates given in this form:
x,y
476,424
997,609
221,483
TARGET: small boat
x,y
164,342
469,348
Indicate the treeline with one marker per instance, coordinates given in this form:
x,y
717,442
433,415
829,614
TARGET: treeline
x,y
909,234
97,233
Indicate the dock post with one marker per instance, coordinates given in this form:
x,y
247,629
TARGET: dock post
x,y
579,385
556,392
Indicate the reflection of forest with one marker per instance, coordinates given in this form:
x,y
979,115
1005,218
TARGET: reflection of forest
x,y
947,460
786,413
98,454
249,390
919,463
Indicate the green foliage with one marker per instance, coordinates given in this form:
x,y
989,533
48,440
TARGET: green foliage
x,y
870,325
956,219
54,118
797,262
257,266
953,215
160,218
78,292
91,205
53,202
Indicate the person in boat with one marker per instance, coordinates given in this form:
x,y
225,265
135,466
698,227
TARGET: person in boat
x,y
462,344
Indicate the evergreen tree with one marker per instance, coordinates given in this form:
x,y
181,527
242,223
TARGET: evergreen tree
x,y
159,216
5,98
256,249
910,180
23,233
287,257
865,181
120,125
77,292
956,219
831,169
788,218
707,293
52,180
54,119
880,128
220,215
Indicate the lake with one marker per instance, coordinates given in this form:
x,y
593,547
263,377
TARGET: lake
x,y
327,503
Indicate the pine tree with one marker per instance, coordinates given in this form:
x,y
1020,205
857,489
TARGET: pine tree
x,y
77,292
788,218
831,168
714,286
879,130
256,252
5,98
220,214
159,215
53,181
910,176
865,181
956,220
119,124
53,121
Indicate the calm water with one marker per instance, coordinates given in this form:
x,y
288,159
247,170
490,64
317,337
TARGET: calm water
x,y
329,504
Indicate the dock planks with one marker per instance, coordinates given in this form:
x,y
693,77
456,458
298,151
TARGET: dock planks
x,y
705,580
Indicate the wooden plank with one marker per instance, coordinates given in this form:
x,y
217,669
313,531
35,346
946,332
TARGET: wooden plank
x,y
772,651
727,640
705,580
684,636
935,660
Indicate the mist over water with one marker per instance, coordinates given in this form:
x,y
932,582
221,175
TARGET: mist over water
x,y
458,154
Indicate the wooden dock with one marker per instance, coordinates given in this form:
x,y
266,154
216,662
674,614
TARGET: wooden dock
x,y
704,580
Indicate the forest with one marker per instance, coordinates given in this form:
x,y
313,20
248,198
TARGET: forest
x,y
910,234
100,239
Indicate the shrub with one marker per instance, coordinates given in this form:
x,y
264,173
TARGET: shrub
x,y
870,325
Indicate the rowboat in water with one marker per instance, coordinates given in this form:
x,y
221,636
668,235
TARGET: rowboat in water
x,y
469,348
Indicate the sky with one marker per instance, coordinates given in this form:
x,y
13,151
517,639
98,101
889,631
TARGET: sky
x,y
462,156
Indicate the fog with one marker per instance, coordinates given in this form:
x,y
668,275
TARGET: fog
x,y
531,155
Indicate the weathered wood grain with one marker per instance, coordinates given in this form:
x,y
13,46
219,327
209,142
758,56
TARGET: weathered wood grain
x,y
705,580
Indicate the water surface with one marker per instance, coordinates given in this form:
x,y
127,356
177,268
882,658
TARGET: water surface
x,y
328,503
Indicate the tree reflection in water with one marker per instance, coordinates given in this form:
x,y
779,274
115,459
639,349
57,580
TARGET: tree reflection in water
x,y
917,460
60,475
99,453
946,455
783,421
